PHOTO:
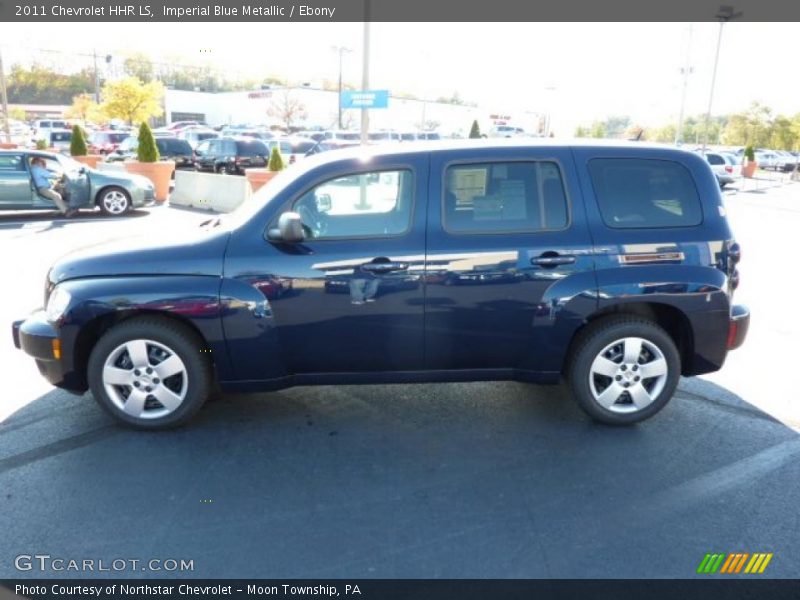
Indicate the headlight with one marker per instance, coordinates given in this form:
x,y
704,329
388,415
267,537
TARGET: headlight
x,y
57,304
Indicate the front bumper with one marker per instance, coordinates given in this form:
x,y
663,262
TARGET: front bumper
x,y
738,326
38,338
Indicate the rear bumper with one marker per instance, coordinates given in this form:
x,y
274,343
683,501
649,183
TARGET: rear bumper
x,y
37,338
739,324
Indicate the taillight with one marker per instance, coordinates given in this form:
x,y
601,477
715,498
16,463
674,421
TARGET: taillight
x,y
728,169
733,330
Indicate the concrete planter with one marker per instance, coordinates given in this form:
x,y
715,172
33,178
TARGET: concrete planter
x,y
749,168
7,146
160,173
90,160
258,178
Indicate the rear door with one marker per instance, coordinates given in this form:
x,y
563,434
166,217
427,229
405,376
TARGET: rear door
x,y
16,187
508,251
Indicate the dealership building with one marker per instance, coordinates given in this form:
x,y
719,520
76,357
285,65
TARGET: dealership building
x,y
317,108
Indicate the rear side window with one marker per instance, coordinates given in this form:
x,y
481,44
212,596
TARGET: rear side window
x,y
715,159
251,149
504,197
11,162
633,193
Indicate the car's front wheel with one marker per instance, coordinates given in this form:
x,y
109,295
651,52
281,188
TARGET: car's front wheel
x,y
624,370
150,373
114,201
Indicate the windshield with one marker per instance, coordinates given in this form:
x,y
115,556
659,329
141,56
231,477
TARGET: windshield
x,y
69,164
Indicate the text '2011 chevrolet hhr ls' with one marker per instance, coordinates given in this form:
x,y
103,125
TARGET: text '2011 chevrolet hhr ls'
x,y
611,265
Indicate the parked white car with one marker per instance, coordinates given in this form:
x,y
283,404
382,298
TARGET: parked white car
x,y
724,166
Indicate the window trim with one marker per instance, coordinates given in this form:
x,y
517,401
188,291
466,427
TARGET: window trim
x,y
643,227
470,161
348,173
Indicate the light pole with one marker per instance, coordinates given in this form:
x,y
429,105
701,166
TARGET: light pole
x,y
4,99
340,50
724,15
687,70
365,75
551,89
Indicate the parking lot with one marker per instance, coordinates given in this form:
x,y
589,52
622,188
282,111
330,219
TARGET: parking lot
x,y
487,480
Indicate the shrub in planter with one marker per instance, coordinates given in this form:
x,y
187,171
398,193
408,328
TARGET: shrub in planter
x,y
275,160
259,177
41,145
77,145
475,131
749,166
147,151
157,171
79,151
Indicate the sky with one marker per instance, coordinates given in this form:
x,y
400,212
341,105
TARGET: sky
x,y
578,72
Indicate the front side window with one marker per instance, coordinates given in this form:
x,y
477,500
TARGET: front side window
x,y
377,204
633,193
504,197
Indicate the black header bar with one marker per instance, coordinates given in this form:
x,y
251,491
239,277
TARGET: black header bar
x,y
396,10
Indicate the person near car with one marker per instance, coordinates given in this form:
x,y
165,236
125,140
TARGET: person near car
x,y
44,187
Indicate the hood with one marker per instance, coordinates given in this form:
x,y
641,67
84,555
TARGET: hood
x,y
120,178
193,252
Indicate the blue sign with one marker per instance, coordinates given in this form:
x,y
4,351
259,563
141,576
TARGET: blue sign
x,y
364,99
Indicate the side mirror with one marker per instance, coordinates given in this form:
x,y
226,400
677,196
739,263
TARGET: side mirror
x,y
289,229
82,171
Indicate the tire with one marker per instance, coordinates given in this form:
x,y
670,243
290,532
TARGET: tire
x,y
605,371
162,346
114,201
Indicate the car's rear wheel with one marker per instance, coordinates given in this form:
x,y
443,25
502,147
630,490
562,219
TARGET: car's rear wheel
x,y
624,370
149,373
114,201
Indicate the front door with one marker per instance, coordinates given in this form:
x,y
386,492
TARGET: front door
x,y
509,255
350,297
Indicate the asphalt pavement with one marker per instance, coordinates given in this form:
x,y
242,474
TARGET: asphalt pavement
x,y
437,480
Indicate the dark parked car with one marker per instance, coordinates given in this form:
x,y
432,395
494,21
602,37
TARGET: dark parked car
x,y
230,155
169,148
611,265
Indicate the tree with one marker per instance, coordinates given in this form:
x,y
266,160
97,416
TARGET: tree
x,y
782,137
131,100
140,66
147,151
287,109
475,131
17,113
39,84
275,159
581,131
752,126
77,145
598,129
84,108
454,99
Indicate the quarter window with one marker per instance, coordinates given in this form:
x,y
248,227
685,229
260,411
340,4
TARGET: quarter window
x,y
647,193
504,197
377,204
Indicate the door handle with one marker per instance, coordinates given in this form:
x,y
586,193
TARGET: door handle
x,y
384,267
553,261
